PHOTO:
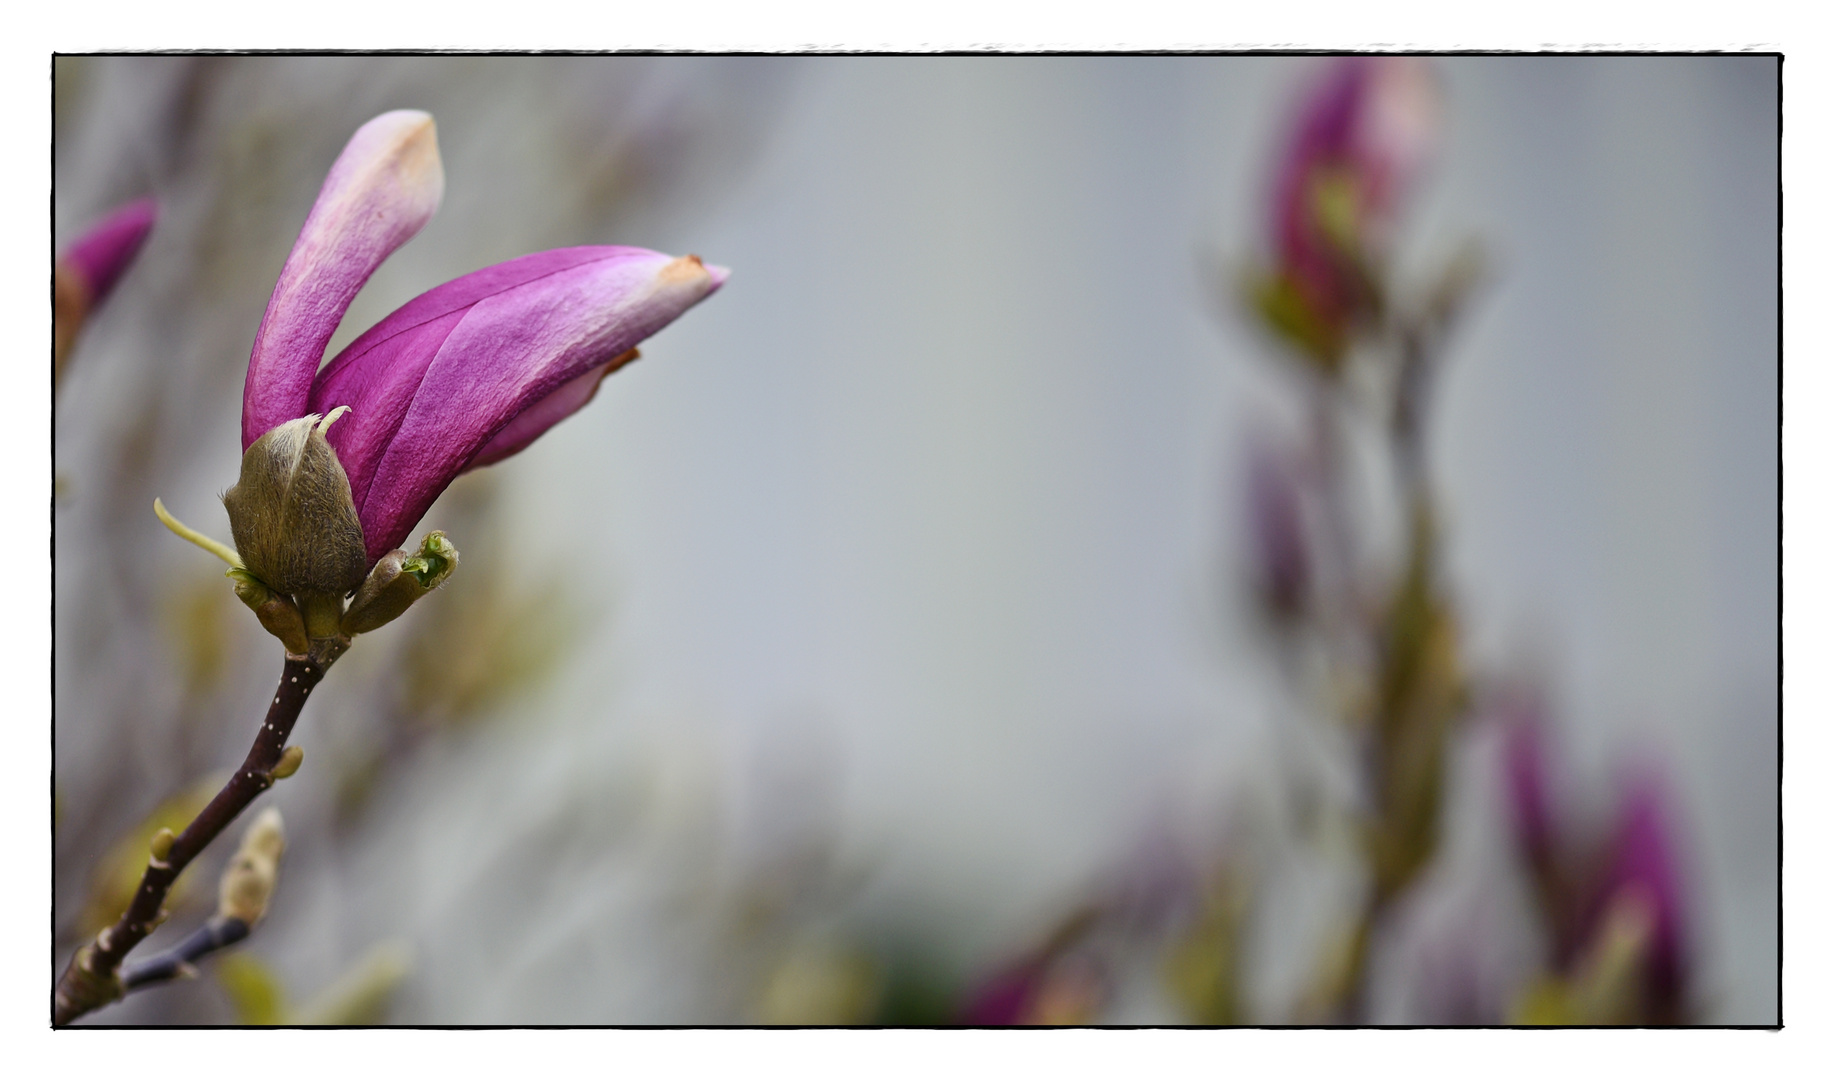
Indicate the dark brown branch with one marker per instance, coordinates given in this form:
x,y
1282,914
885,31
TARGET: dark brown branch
x,y
93,977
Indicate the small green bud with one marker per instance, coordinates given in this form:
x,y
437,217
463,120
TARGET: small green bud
x,y
278,614
434,562
295,526
249,588
162,844
289,762
397,580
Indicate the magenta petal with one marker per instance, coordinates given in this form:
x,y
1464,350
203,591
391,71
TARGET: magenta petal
x,y
1369,121
434,384
1323,140
101,254
1643,858
379,373
531,422
382,189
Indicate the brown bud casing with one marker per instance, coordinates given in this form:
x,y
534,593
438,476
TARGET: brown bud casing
x,y
292,516
279,615
397,581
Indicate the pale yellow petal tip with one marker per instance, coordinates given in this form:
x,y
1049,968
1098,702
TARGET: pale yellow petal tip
x,y
332,418
683,270
185,532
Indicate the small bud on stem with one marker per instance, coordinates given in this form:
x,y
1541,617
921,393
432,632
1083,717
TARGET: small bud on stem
x,y
397,581
289,762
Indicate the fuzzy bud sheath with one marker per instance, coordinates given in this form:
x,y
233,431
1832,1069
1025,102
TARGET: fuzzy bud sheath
x,y
294,523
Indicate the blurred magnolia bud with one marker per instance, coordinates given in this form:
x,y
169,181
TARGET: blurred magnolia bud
x,y
1643,877
249,880
1362,135
86,272
295,526
1607,989
397,580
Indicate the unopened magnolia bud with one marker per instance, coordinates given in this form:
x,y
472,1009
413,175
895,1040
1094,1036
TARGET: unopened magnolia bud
x,y
291,513
249,880
1604,989
162,844
278,614
397,580
289,762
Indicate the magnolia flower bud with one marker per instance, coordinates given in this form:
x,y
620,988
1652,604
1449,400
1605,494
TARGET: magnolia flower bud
x,y
397,580
249,880
291,514
87,271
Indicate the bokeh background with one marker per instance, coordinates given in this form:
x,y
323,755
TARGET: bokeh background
x,y
895,601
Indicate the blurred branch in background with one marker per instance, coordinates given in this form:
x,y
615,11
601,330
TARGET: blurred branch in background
x,y
1361,140
1373,643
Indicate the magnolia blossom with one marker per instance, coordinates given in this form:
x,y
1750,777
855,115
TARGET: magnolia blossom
x,y
88,269
1615,908
462,376
1362,136
1641,875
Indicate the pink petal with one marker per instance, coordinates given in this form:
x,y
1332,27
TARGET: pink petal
x,y
102,253
433,386
383,188
544,414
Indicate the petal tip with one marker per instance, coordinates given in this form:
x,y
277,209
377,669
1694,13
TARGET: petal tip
x,y
691,268
403,123
402,145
